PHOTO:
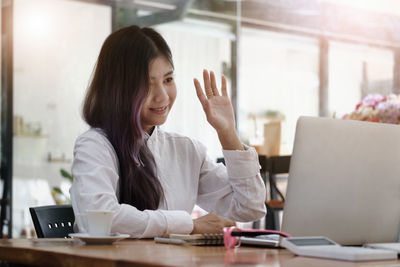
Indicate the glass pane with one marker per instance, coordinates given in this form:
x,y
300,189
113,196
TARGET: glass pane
x,y
196,45
56,44
278,73
354,72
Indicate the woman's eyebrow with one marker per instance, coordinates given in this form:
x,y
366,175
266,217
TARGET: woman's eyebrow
x,y
169,73
166,74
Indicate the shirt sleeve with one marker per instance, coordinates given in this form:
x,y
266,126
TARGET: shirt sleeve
x,y
235,191
95,186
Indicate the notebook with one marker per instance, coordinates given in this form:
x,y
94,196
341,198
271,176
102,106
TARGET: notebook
x,y
271,240
195,239
344,181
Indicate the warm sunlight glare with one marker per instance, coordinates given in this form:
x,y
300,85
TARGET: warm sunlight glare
x,y
383,6
37,25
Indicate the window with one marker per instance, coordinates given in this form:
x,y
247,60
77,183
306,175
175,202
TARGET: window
x,y
195,45
56,44
354,72
278,72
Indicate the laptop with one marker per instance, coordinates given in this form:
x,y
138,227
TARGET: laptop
x,y
344,181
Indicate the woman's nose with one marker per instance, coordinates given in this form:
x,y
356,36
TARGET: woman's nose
x,y
160,93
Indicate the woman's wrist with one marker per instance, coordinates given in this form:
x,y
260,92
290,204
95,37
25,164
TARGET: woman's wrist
x,y
230,140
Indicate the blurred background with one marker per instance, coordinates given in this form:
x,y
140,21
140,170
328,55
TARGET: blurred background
x,y
282,58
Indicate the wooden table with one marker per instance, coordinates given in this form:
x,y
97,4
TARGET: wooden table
x,y
62,252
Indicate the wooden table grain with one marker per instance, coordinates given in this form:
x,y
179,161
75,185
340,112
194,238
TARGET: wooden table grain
x,y
67,252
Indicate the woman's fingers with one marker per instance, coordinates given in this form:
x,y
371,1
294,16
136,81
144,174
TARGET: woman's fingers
x,y
229,223
213,84
224,91
210,86
199,91
207,84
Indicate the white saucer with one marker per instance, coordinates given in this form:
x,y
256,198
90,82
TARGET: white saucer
x,y
109,239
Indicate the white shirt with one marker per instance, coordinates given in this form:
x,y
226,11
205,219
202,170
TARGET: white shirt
x,y
187,175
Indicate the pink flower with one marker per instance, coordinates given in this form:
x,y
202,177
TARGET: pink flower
x,y
377,108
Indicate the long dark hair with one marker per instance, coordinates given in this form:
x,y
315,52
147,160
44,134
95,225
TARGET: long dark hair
x,y
113,103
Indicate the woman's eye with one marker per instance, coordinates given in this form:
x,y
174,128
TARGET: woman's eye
x,y
169,79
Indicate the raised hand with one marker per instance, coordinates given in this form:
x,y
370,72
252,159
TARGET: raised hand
x,y
218,109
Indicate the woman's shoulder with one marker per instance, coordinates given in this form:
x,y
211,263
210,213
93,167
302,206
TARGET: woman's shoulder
x,y
92,150
93,137
92,133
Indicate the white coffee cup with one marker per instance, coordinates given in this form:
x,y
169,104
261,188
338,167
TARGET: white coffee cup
x,y
99,222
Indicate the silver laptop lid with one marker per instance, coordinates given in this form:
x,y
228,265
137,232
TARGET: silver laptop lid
x,y
344,181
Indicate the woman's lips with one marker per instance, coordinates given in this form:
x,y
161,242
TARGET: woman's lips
x,y
160,110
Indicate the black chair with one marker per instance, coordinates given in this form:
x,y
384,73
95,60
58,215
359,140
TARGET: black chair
x,y
276,165
53,221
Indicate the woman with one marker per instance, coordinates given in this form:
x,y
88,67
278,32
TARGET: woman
x,y
152,179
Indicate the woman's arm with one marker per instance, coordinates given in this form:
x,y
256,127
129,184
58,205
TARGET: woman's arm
x,y
237,191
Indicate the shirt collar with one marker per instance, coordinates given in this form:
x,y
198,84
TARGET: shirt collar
x,y
153,135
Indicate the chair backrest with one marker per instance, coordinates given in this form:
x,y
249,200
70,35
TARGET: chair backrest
x,y
53,221
277,165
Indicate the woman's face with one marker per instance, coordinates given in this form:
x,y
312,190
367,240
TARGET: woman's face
x,y
162,94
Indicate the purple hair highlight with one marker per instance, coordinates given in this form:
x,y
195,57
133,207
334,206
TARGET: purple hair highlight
x,y
137,109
